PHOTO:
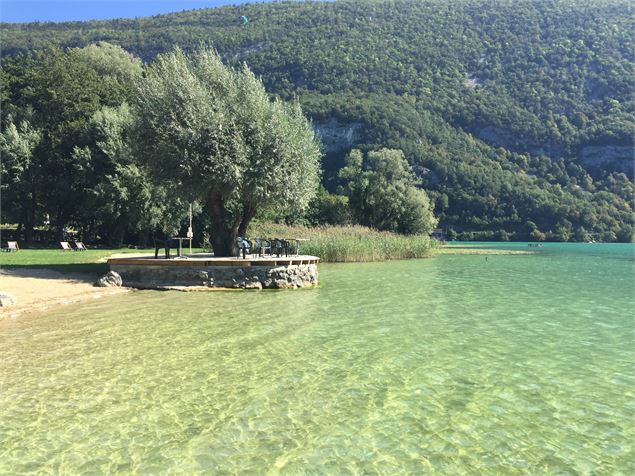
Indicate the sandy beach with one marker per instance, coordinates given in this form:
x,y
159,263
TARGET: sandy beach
x,y
37,290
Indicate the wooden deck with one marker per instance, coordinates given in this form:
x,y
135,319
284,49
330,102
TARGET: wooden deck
x,y
202,259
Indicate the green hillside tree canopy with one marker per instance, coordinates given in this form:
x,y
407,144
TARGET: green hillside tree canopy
x,y
210,133
509,112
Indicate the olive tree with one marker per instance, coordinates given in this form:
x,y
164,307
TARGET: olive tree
x,y
383,192
210,133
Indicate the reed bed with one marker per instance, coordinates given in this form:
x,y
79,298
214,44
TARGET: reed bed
x,y
346,244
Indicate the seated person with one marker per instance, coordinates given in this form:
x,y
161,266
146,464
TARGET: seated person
x,y
243,244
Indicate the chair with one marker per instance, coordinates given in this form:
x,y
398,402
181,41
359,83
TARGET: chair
x,y
66,246
243,244
262,246
11,246
79,246
280,247
159,243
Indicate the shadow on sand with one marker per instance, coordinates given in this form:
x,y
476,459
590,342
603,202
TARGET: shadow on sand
x,y
79,272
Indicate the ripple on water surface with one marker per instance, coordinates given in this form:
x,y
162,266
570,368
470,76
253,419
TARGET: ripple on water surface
x,y
518,364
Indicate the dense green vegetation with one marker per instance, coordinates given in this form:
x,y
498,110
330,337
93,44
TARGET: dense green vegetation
x,y
516,117
195,132
63,158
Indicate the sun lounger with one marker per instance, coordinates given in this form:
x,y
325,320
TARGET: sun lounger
x,y
11,246
66,246
79,246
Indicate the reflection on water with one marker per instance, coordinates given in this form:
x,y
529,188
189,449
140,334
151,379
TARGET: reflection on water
x,y
518,364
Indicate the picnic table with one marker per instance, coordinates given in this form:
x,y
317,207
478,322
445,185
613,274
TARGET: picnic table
x,y
298,241
180,240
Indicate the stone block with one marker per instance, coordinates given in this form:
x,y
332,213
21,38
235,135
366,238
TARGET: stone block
x,y
7,299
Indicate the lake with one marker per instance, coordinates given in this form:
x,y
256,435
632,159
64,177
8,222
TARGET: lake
x,y
459,364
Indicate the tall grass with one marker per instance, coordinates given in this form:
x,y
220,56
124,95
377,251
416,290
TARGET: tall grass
x,y
341,244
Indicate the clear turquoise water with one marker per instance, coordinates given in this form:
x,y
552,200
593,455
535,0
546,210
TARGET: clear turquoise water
x,y
514,364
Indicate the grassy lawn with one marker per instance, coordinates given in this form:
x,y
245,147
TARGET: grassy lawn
x,y
63,261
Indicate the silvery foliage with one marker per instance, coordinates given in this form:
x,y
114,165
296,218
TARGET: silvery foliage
x,y
205,128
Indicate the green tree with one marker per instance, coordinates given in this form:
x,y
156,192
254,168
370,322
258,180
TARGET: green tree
x,y
18,168
116,68
117,196
60,91
383,193
626,234
537,235
581,235
562,232
329,209
210,133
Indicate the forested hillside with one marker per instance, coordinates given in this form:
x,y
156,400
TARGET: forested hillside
x,y
517,116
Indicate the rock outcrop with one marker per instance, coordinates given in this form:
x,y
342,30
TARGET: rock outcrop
x,y
338,136
608,158
111,279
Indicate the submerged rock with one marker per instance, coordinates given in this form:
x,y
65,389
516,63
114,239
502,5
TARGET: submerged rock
x,y
7,300
109,280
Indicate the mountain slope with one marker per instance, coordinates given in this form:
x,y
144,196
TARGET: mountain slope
x,y
518,116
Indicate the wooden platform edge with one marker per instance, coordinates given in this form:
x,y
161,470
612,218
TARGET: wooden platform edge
x,y
236,263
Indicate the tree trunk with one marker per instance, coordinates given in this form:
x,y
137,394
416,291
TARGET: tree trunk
x,y
224,234
29,226
29,222
249,211
118,234
61,225
143,239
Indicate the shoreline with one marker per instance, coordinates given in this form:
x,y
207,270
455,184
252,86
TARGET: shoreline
x,y
39,289
461,250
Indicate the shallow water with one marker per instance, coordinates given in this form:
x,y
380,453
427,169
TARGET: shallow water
x,y
461,364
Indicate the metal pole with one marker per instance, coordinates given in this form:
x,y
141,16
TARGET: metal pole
x,y
189,231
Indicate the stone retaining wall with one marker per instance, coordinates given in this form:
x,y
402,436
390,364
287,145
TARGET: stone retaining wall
x,y
249,277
